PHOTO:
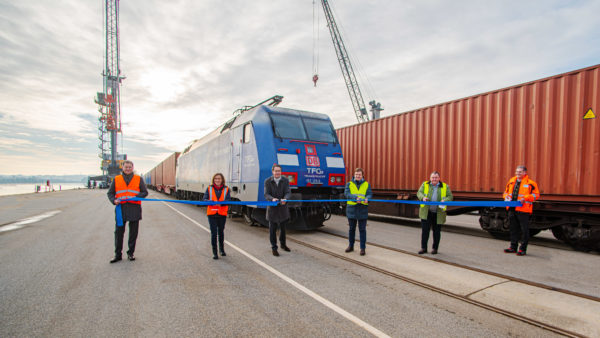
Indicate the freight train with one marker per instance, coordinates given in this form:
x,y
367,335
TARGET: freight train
x,y
549,125
162,177
245,148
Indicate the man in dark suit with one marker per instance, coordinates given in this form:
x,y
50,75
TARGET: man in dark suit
x,y
277,189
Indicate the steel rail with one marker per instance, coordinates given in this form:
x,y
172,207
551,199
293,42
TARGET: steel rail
x,y
509,314
491,273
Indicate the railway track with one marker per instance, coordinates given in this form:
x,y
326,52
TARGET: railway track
x,y
466,298
476,232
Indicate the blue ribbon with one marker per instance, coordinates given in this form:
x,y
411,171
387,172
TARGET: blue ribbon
x,y
498,204
495,204
118,215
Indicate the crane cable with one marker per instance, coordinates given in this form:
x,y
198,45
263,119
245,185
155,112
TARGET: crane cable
x,y
361,73
315,43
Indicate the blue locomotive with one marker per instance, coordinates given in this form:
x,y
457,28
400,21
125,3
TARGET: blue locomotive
x,y
305,144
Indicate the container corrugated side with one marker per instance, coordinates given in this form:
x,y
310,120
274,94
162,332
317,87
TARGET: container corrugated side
x,y
169,168
476,142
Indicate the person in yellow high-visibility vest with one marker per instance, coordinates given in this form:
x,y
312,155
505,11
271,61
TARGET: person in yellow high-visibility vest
x,y
358,192
433,216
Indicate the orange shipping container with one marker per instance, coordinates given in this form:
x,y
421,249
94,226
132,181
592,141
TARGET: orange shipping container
x,y
168,170
153,177
476,142
159,176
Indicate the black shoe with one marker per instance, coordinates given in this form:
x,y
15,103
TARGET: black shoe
x,y
422,251
362,252
434,252
116,259
275,253
521,253
131,257
349,249
222,252
285,248
510,250
215,256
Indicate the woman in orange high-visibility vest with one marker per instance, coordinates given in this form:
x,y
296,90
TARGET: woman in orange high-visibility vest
x,y
217,214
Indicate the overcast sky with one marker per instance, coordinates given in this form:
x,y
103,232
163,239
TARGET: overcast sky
x,y
190,63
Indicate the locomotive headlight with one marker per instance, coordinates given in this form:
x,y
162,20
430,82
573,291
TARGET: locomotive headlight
x,y
332,179
338,179
292,177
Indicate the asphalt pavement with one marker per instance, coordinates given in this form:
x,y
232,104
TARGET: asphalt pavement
x,y
56,280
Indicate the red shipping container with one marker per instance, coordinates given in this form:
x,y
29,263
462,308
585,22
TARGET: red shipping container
x,y
153,177
476,142
168,172
159,176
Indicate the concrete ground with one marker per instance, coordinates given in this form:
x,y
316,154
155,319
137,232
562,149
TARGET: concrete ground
x,y
55,279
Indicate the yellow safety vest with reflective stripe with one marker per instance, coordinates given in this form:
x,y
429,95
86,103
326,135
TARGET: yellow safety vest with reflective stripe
x,y
362,191
443,192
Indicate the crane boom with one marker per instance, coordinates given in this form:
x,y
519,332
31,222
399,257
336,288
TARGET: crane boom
x,y
340,49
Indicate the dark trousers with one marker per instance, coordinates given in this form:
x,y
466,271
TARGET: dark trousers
x,y
519,228
273,234
362,231
426,225
120,233
217,225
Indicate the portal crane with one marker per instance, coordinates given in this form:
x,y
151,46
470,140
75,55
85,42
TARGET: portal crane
x,y
351,84
109,100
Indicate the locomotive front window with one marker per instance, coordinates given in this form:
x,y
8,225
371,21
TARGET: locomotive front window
x,y
320,130
247,132
288,127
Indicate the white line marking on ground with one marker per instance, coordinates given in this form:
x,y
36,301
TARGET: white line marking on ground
x,y
297,285
28,220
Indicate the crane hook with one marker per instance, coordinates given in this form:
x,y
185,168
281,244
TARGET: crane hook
x,y
315,79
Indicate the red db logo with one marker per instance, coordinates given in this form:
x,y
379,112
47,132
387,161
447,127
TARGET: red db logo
x,y
312,161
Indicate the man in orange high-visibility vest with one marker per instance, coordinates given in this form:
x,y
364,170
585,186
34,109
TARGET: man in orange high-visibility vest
x,y
520,188
125,186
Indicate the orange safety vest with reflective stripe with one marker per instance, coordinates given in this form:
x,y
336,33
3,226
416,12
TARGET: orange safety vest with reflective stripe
x,y
122,190
528,191
213,209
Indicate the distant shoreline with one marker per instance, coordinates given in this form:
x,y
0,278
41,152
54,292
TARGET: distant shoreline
x,y
36,179
11,189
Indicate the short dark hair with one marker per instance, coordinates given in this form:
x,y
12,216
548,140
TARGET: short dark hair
x,y
522,167
361,171
435,173
275,165
222,178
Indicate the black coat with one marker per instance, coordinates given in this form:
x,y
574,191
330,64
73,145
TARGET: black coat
x,y
278,213
130,211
